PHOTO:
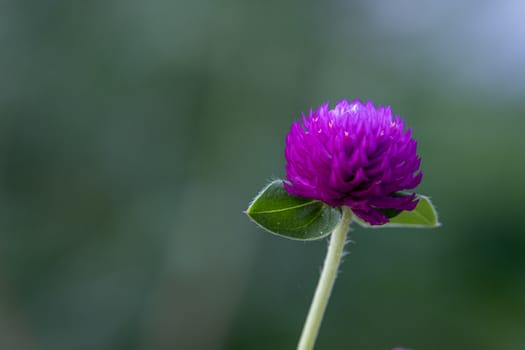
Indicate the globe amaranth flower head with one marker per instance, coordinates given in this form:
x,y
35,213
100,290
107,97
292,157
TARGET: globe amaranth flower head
x,y
355,155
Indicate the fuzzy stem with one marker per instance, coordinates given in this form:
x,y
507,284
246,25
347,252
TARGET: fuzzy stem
x,y
326,282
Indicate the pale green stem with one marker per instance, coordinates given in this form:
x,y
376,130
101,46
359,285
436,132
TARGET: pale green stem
x,y
326,282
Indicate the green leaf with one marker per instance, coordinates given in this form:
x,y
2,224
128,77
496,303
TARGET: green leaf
x,y
423,216
280,213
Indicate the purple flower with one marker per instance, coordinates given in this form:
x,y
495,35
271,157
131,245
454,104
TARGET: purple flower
x,y
355,155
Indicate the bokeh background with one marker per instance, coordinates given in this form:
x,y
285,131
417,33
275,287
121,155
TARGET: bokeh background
x,y
134,133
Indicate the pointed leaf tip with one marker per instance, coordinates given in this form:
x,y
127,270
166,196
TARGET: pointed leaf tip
x,y
424,215
280,213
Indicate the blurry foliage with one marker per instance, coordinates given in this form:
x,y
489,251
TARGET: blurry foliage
x,y
133,134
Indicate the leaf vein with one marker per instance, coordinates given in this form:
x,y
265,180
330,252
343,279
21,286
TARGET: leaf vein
x,y
284,209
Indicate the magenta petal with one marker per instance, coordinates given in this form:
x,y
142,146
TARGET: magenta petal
x,y
354,154
372,216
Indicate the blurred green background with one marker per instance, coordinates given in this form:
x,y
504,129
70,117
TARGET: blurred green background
x,y
133,134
